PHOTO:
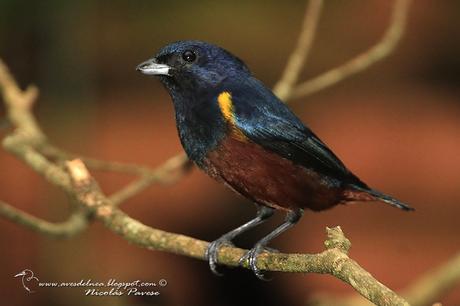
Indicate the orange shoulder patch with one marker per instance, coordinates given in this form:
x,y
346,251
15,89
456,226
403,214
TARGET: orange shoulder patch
x,y
227,109
226,106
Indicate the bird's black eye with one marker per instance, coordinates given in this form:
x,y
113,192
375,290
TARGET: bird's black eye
x,y
189,56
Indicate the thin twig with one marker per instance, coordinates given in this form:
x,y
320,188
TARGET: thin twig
x,y
22,143
54,152
361,62
23,101
428,288
169,172
96,164
75,224
296,61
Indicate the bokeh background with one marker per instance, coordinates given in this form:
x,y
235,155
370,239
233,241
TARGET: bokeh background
x,y
396,125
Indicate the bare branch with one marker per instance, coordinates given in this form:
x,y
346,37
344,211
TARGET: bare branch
x,y
331,261
361,62
76,223
23,101
169,172
428,288
296,62
96,164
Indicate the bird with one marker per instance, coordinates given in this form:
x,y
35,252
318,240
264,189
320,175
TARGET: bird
x,y
240,133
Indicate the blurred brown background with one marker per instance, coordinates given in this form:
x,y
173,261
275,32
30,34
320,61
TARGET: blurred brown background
x,y
396,125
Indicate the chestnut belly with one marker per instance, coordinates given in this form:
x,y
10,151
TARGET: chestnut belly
x,y
269,179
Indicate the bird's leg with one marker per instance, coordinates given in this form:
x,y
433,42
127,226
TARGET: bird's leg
x,y
291,219
263,213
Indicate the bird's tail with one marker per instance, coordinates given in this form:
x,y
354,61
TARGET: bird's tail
x,y
361,193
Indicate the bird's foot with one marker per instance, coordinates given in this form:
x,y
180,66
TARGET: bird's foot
x,y
212,250
251,258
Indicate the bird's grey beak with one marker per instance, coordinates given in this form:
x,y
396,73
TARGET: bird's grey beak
x,y
151,67
20,274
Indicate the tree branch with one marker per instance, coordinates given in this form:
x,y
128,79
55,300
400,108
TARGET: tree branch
x,y
426,290
363,61
296,62
76,223
169,172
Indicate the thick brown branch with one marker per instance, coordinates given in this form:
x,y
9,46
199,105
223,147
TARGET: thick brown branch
x,y
361,62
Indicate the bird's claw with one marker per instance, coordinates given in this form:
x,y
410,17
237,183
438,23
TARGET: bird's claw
x,y
211,253
251,258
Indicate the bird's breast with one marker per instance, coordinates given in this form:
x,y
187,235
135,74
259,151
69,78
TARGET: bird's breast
x,y
200,126
267,178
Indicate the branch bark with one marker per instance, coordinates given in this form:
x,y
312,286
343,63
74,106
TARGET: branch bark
x,y
426,290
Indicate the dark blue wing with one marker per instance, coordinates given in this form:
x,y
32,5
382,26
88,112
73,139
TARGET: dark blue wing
x,y
265,120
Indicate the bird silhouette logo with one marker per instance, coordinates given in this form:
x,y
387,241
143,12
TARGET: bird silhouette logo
x,y
28,279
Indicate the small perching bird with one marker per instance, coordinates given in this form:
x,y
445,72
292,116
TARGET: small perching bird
x,y
237,131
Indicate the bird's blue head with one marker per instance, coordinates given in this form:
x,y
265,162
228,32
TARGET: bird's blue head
x,y
195,73
191,65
